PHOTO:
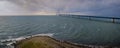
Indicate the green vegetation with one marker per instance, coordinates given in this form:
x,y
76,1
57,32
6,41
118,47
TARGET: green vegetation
x,y
45,42
35,45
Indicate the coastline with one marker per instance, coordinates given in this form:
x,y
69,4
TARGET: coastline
x,y
15,42
48,41
61,43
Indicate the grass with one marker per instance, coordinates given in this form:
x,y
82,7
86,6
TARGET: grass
x,y
31,44
43,42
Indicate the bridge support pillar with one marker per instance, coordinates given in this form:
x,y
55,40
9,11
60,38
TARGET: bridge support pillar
x,y
113,20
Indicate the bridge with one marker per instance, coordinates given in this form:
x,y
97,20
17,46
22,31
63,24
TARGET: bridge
x,y
93,17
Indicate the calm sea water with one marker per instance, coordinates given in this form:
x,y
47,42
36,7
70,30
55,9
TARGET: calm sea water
x,y
70,29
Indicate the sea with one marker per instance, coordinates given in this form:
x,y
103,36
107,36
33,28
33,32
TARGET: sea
x,y
80,31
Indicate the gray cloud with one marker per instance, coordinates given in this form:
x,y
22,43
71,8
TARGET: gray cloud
x,y
89,7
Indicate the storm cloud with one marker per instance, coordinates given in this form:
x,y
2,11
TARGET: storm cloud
x,y
86,7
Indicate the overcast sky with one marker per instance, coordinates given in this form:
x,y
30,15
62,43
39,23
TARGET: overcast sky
x,y
82,7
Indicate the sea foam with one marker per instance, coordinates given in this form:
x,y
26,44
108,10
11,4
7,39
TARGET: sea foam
x,y
13,40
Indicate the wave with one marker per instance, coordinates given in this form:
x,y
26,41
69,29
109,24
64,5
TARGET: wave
x,y
47,34
9,42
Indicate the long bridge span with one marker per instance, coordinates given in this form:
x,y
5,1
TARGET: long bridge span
x,y
111,19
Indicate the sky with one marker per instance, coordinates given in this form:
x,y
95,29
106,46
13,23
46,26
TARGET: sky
x,y
51,7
